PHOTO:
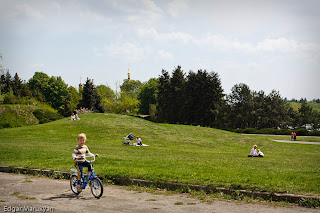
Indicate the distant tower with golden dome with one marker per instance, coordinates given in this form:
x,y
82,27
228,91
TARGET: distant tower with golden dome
x,y
128,73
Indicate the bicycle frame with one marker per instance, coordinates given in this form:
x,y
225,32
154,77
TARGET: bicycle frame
x,y
85,181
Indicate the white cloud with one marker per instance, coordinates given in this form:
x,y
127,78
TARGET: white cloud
x,y
285,45
223,43
26,10
280,45
129,51
165,55
165,37
178,7
144,12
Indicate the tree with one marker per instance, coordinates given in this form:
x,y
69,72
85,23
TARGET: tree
x,y
258,114
7,82
163,93
108,98
38,84
240,101
131,87
16,85
276,110
90,97
127,104
305,114
148,96
71,100
176,96
105,92
55,92
204,99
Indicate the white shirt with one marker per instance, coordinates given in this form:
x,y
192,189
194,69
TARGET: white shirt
x,y
253,152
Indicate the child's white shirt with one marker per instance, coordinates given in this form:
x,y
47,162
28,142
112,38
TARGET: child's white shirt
x,y
253,152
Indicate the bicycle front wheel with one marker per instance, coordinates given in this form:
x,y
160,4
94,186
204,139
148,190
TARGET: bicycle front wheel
x,y
96,187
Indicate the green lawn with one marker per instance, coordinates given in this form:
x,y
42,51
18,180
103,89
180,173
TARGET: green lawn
x,y
177,153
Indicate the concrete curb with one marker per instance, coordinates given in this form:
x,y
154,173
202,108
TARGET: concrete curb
x,y
292,198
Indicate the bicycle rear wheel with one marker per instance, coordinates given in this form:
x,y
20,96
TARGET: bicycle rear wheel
x,y
74,184
96,187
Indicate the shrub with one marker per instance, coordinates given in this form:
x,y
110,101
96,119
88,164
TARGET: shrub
x,y
302,132
314,133
268,131
45,116
250,131
16,116
83,110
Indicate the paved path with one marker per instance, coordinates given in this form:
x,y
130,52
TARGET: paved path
x,y
300,142
29,191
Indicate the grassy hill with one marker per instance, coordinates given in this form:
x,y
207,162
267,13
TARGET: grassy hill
x,y
314,105
177,153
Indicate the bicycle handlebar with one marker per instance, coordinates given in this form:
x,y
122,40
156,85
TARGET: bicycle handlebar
x,y
91,161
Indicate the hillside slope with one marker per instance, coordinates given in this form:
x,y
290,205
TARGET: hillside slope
x,y
177,153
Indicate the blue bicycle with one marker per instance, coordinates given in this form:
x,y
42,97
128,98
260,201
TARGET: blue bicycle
x,y
93,181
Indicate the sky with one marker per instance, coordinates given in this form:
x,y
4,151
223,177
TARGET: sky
x,y
268,45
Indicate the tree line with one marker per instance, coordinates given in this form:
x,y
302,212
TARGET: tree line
x,y
195,98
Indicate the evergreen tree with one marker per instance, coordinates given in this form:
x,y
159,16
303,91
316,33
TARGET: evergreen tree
x,y
176,96
90,97
2,83
163,94
16,85
7,82
204,99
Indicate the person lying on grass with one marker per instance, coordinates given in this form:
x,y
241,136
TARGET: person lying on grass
x,y
80,161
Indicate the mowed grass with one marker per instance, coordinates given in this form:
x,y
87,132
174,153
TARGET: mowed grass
x,y
177,153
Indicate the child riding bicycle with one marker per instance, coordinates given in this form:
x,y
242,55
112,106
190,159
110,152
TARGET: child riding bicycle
x,y
78,155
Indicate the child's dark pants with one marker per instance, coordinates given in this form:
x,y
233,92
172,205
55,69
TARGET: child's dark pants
x,y
80,166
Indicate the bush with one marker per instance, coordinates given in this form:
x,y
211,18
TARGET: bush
x,y
250,131
45,116
268,131
314,133
16,116
302,132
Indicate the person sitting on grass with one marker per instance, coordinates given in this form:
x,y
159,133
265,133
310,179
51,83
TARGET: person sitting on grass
x,y
139,141
260,154
77,117
78,156
253,152
73,117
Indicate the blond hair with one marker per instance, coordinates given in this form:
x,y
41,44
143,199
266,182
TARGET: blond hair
x,y
82,135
